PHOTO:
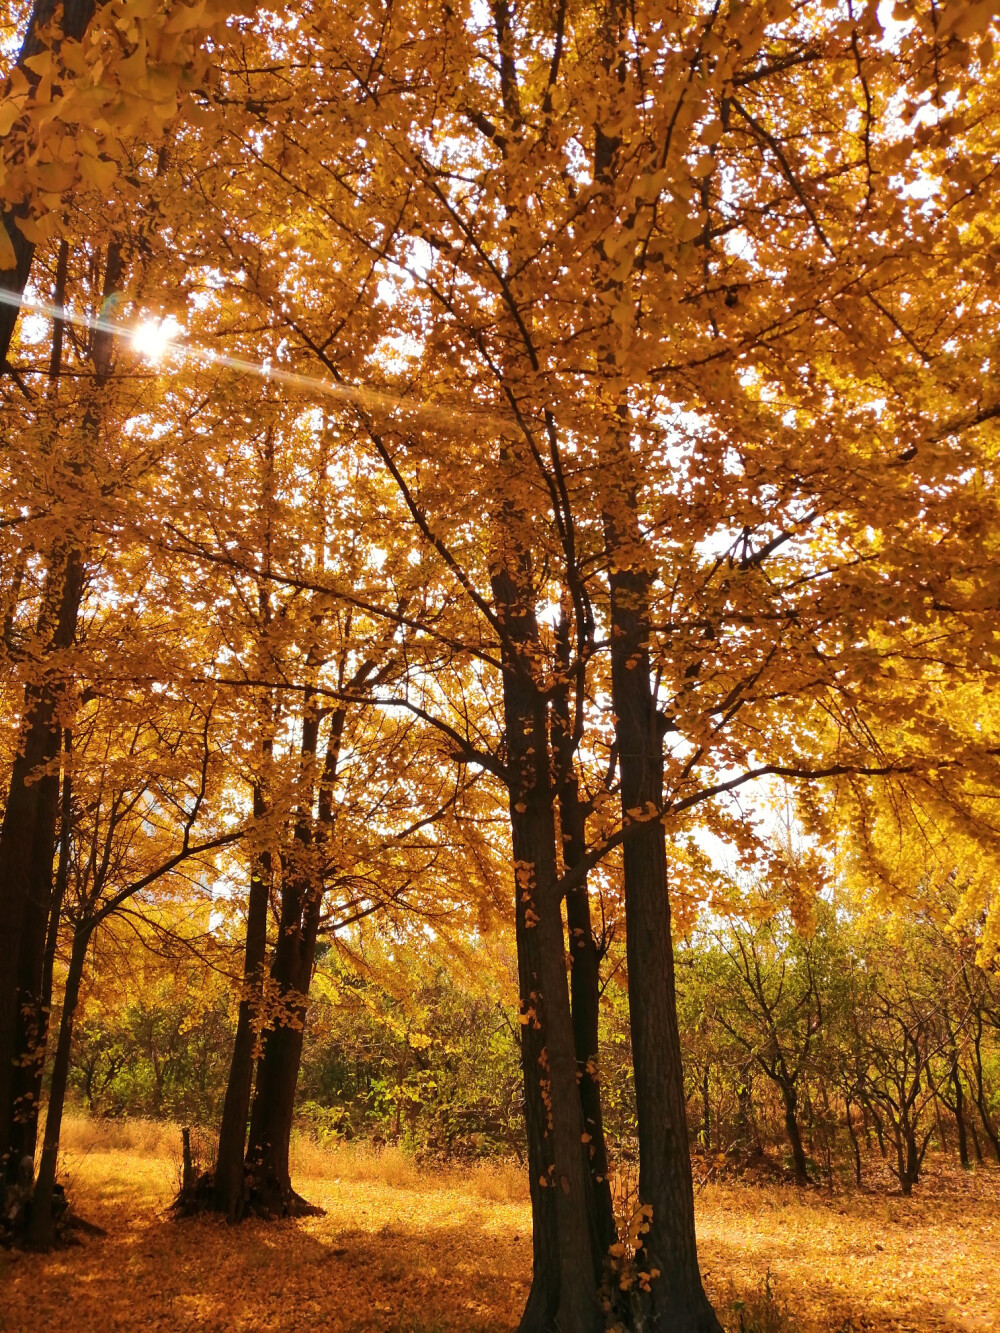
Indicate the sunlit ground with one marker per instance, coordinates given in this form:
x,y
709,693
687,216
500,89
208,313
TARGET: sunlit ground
x,y
408,1252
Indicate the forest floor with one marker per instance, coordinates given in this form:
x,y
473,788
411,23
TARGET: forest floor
x,y
403,1251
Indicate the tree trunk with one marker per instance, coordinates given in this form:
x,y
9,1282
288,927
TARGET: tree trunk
x,y
706,1111
585,973
41,1233
958,1110
28,832
911,1162
229,1159
794,1134
564,1290
677,1298
75,21
856,1147
269,1177
982,1105
27,851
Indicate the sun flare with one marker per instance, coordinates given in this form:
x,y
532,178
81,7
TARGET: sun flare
x,y
153,337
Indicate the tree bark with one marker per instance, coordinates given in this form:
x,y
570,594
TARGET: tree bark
x,y
269,1176
564,1291
789,1099
958,1109
77,15
676,1299
585,973
41,1231
229,1185
27,850
28,832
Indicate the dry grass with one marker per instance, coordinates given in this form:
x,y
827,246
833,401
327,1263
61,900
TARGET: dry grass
x,y
403,1250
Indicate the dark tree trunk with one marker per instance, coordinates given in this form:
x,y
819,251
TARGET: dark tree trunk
x,y
28,833
585,973
977,1146
706,1111
27,851
911,1161
76,19
958,1110
855,1146
229,1185
564,1292
62,877
677,1298
269,1177
41,1232
790,1105
982,1105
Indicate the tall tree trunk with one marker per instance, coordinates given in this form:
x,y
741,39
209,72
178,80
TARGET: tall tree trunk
x,y
958,1109
585,970
76,16
41,1232
268,1172
564,1291
676,1299
855,1146
982,1105
28,832
27,850
229,1158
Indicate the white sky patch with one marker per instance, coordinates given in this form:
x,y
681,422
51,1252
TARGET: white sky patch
x,y
34,328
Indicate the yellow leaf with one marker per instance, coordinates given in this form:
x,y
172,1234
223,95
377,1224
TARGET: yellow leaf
x,y
98,172
9,112
40,64
186,18
54,176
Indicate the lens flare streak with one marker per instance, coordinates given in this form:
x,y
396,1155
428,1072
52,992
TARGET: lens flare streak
x,y
156,340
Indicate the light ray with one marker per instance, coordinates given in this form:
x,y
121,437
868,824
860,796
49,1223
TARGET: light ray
x,y
156,339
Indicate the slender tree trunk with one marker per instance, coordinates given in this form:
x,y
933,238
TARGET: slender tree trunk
x,y
958,1110
76,16
677,1298
856,1147
793,1133
585,973
41,1232
229,1159
977,1146
982,1105
706,1111
62,876
564,1293
27,850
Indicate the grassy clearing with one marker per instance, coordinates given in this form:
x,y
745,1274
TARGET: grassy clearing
x,y
408,1251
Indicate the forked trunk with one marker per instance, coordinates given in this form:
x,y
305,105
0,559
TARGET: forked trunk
x,y
585,975
564,1289
229,1184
